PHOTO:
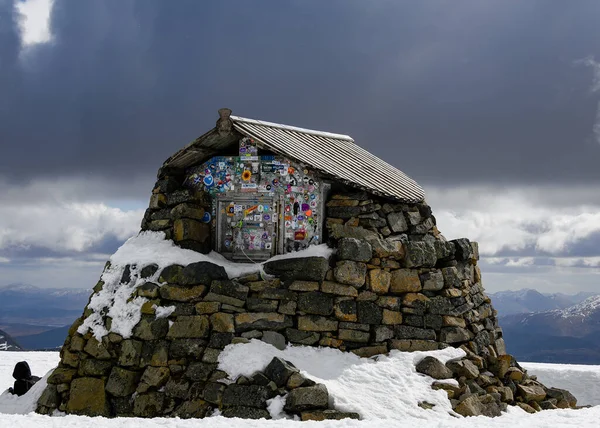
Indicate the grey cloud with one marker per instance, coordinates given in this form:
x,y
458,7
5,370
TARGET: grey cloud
x,y
447,91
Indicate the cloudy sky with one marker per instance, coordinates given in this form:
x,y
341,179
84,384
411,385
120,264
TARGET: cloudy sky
x,y
493,106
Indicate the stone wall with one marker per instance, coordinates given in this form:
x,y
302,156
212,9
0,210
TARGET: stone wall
x,y
394,283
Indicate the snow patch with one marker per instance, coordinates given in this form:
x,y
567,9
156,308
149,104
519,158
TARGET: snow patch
x,y
163,311
116,299
383,387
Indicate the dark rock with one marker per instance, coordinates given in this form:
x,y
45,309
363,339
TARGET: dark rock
x,y
177,388
275,339
434,368
323,415
220,340
463,368
171,274
369,313
354,249
247,396
148,271
150,328
262,321
187,348
122,406
246,413
230,289
408,332
279,371
149,290
202,273
307,398
302,337
197,371
91,367
562,395
126,277
351,273
261,305
454,335
87,397
464,252
49,397
191,409
149,405
420,254
122,382
315,303
213,392
397,222
307,269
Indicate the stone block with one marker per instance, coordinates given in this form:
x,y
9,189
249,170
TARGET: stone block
x,y
302,337
397,222
432,281
316,323
350,273
222,322
391,317
121,382
131,350
454,335
185,229
379,281
246,395
357,250
353,336
405,281
345,310
316,303
189,327
305,269
331,287
304,286
279,371
408,332
369,313
262,321
434,368
182,294
308,398
87,397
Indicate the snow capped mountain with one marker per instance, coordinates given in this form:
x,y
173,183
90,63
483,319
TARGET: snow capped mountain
x,y
7,343
529,301
588,308
569,335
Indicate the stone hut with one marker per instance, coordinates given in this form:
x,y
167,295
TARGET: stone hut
x,y
340,250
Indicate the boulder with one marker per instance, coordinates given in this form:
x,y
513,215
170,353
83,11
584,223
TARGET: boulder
x,y
307,398
354,249
279,371
434,368
306,269
245,413
350,273
246,395
323,415
463,368
87,397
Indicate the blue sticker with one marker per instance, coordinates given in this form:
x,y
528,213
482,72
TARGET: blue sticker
x,y
266,217
206,218
209,181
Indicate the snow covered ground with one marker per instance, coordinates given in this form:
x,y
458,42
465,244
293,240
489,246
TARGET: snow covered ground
x,y
384,391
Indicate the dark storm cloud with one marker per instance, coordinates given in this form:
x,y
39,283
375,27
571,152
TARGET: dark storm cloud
x,y
450,92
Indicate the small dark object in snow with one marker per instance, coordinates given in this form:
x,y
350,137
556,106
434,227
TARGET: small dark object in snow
x,y
23,379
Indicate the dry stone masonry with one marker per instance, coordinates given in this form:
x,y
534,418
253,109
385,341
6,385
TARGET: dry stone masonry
x,y
394,283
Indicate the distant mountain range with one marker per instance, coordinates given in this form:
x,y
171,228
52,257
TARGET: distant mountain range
x,y
38,318
529,301
569,335
7,343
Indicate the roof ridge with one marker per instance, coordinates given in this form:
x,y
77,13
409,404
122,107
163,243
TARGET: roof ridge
x,y
293,128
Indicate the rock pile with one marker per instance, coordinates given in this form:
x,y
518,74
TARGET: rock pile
x,y
395,283
489,392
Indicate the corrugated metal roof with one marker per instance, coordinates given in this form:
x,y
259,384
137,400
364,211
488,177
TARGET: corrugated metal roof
x,y
335,155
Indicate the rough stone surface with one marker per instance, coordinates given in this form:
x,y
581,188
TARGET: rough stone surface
x,y
307,398
434,368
